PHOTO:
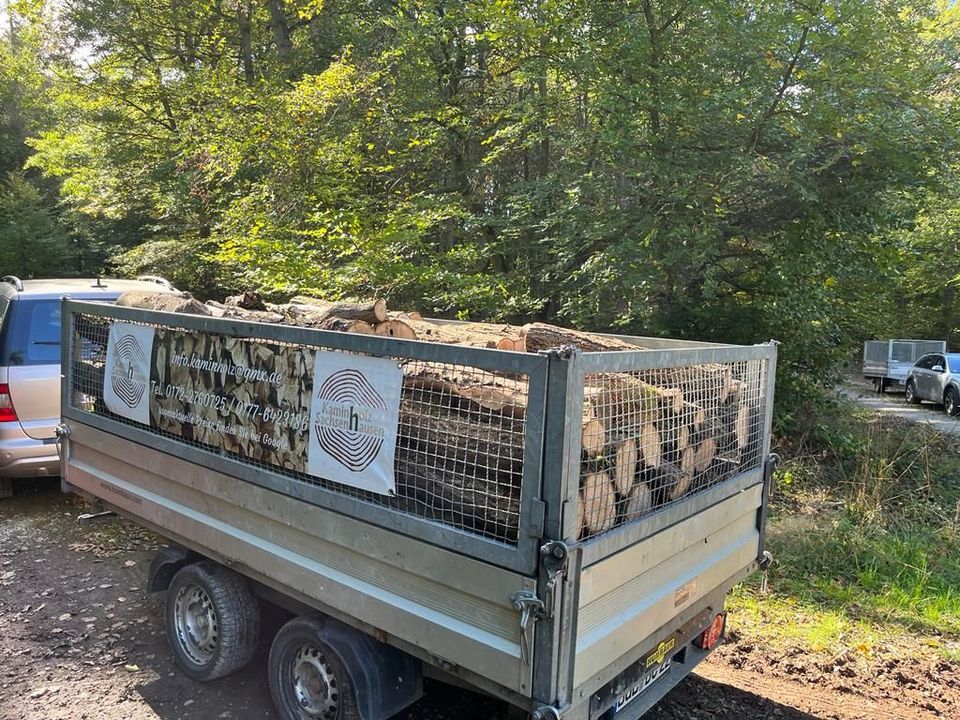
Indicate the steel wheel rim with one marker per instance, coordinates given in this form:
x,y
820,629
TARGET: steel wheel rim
x,y
196,622
315,686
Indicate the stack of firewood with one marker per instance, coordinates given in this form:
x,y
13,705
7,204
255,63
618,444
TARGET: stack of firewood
x,y
648,437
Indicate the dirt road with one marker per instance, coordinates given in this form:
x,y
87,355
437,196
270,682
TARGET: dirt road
x,y
81,640
892,404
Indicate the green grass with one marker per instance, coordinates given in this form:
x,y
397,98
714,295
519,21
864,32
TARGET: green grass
x,y
864,532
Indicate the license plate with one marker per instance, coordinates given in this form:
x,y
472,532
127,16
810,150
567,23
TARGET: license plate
x,y
638,688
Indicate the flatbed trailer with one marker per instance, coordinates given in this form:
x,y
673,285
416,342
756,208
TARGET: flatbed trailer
x,y
534,607
886,363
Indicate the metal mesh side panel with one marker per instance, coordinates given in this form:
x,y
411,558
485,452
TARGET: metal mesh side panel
x,y
922,347
875,351
903,352
461,434
651,438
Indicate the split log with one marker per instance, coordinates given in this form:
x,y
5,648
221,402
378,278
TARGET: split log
x,y
651,449
373,311
164,302
599,503
639,503
625,466
395,328
704,454
541,336
685,478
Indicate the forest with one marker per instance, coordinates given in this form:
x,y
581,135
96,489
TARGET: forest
x,y
729,171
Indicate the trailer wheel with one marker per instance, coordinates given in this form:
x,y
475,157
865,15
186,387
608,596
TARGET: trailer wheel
x,y
308,681
213,621
951,401
6,488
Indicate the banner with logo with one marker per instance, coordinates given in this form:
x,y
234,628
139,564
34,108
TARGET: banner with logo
x,y
126,381
356,404
329,414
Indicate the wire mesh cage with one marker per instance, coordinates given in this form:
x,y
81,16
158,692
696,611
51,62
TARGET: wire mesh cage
x,y
461,434
651,438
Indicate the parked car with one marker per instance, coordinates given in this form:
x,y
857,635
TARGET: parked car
x,y
936,377
30,367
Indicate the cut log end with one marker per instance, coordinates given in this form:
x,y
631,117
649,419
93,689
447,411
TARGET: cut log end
x,y
395,328
599,503
625,466
593,437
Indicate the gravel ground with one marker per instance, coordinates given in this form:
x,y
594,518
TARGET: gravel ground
x,y
81,639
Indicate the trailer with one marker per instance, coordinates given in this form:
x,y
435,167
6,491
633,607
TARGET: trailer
x,y
417,530
886,363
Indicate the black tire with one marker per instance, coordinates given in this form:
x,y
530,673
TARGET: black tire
x,y
6,488
951,401
910,393
307,679
212,619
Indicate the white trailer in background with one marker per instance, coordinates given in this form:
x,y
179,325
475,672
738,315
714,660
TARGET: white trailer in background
x,y
558,620
887,362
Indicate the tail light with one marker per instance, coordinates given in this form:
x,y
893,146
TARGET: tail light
x,y
7,412
712,636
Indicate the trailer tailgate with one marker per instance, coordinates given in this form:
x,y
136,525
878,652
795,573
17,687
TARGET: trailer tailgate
x,y
626,597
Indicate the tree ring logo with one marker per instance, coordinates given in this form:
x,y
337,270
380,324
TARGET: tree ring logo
x,y
126,376
344,425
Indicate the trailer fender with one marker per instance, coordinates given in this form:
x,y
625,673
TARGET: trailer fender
x,y
165,565
386,679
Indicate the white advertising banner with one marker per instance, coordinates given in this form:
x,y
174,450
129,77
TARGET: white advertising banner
x,y
126,381
354,414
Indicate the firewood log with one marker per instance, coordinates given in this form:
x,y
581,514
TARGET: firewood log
x,y
164,302
593,436
340,324
436,487
484,444
685,478
395,328
249,300
704,454
651,447
474,392
373,311
222,310
541,336
625,465
639,502
599,503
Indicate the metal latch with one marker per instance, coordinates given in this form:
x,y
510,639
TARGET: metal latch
x,y
531,609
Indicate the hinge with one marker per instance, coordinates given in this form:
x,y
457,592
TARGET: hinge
x,y
553,557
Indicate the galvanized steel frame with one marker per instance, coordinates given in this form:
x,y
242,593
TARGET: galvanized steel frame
x,y
555,656
522,557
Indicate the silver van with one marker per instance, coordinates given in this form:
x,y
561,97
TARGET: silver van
x,y
30,367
